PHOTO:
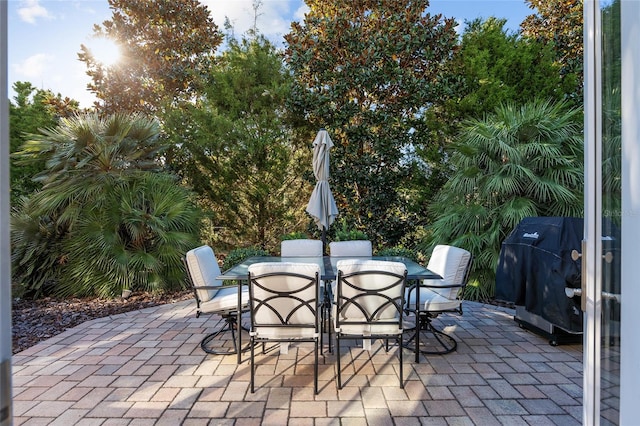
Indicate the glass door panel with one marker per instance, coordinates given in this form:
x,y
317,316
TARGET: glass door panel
x,y
611,215
603,213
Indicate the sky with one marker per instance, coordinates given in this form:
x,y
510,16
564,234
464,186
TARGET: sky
x,y
44,36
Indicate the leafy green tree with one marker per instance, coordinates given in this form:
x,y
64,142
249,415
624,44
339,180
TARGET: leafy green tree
x,y
515,163
236,148
492,67
109,218
166,46
499,67
366,71
558,23
30,110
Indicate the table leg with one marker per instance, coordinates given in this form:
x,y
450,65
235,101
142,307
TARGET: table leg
x,y
239,325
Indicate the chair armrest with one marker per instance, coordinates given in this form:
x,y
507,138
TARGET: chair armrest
x,y
442,286
413,286
207,287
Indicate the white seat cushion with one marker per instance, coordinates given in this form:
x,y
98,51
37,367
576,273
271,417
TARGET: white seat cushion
x,y
284,333
369,303
298,319
203,270
225,300
451,264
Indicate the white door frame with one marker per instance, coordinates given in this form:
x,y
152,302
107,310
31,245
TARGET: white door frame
x,y
592,244
629,214
630,248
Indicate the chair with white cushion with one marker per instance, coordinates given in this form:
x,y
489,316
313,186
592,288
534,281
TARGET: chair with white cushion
x,y
214,298
369,304
354,248
283,302
301,248
309,248
437,296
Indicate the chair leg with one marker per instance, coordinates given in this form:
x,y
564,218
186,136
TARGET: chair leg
x,y
338,362
315,369
414,337
329,328
322,324
400,354
325,315
446,342
230,324
252,367
442,339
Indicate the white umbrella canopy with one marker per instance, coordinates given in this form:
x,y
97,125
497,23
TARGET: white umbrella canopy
x,y
322,206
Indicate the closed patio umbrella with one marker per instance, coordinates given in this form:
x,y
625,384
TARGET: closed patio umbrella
x,y
322,205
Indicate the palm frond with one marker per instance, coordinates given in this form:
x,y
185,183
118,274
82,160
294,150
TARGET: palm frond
x,y
520,161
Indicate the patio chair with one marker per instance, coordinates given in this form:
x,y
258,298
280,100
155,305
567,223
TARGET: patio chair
x,y
310,248
437,296
283,302
369,302
300,248
354,248
214,298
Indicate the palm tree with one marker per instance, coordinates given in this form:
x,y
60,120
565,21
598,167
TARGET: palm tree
x,y
518,162
120,222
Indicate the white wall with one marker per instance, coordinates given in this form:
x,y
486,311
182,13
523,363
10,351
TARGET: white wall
x,y
630,336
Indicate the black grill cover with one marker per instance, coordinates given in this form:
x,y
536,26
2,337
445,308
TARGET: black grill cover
x,y
535,266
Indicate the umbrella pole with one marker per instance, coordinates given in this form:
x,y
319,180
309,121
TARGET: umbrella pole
x,y
324,241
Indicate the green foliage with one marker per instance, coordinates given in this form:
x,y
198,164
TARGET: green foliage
x,y
498,67
475,290
30,110
235,148
132,238
166,46
294,236
493,67
366,71
558,24
236,256
110,219
36,250
518,162
611,114
346,233
400,251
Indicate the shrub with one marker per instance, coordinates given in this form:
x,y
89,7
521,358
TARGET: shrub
x,y
107,217
399,251
344,233
236,256
294,236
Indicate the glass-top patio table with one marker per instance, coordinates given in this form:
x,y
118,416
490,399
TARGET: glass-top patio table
x,y
328,271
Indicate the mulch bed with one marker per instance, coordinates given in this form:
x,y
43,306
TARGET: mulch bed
x,y
37,320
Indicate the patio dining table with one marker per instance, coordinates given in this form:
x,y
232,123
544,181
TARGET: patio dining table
x,y
328,272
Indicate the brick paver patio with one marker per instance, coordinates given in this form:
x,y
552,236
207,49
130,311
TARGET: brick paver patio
x,y
146,368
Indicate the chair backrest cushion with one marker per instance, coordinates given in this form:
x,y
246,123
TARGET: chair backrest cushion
x,y
203,270
283,295
301,248
369,291
452,264
350,248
